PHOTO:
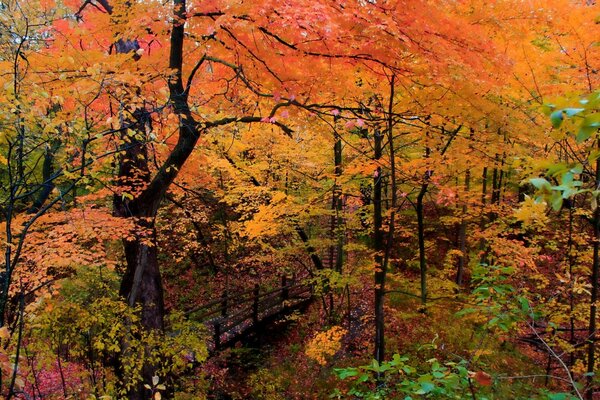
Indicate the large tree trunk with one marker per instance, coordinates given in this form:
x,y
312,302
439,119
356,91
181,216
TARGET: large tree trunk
x,y
141,283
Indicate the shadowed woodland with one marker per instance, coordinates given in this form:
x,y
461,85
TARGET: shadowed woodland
x,y
358,199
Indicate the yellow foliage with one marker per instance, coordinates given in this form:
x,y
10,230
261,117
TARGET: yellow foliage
x,y
325,344
532,212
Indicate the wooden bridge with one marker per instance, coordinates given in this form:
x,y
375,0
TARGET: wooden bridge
x,y
235,315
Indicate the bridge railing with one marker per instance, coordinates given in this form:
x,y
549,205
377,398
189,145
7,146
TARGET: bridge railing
x,y
234,313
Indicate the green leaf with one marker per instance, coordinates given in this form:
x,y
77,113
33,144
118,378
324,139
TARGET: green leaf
x,y
568,193
557,169
556,118
524,304
577,169
556,201
375,365
573,111
426,387
591,120
408,370
584,133
346,372
438,374
567,179
540,183
594,155
558,396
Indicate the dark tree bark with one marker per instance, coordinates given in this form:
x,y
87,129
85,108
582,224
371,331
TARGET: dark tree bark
x,y
337,249
379,248
495,186
421,238
141,283
591,362
482,220
383,249
47,184
462,236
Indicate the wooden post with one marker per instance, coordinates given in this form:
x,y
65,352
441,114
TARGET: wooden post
x,y
224,304
255,304
217,337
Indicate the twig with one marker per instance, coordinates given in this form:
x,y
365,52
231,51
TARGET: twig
x,y
561,362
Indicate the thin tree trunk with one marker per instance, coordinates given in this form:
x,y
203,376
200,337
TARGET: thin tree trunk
x,y
482,220
462,235
571,286
338,206
591,362
501,180
337,246
421,241
381,260
495,177
378,247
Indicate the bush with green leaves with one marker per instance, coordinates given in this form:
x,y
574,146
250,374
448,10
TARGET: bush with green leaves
x,y
87,323
398,379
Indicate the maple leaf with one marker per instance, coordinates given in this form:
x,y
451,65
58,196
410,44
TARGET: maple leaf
x,y
482,378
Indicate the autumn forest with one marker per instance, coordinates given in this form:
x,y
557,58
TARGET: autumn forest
x,y
298,199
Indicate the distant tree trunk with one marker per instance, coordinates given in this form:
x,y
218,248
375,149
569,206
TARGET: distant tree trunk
x,y
462,235
378,247
592,334
421,239
570,262
381,260
495,177
336,249
338,206
501,180
482,221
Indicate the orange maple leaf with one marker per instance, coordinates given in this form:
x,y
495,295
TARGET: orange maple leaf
x,y
482,378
